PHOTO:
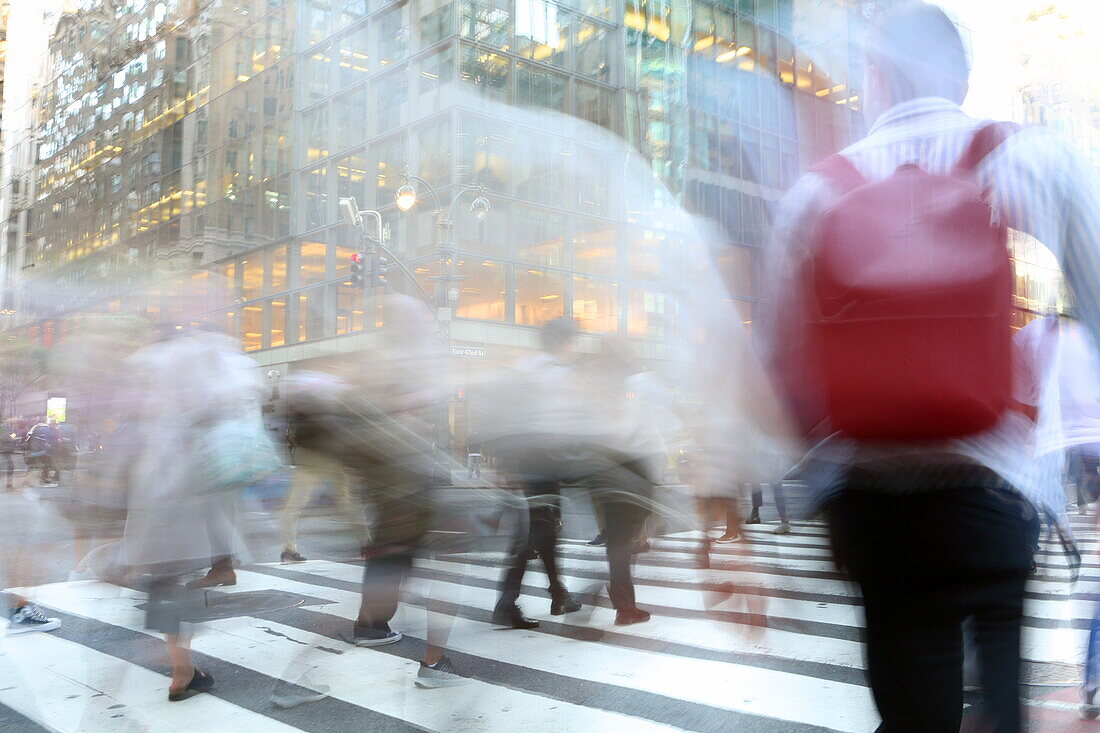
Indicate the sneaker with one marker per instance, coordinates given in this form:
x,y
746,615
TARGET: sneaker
x,y
754,518
640,546
370,636
598,541
628,616
291,556
28,618
290,695
727,539
783,528
440,674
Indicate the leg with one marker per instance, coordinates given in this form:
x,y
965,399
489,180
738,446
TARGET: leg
x,y
914,661
623,521
757,502
303,483
382,578
516,564
780,501
997,633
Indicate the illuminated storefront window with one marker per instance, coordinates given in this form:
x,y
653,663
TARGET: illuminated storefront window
x,y
595,304
540,296
481,292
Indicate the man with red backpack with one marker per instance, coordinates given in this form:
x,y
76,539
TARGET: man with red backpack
x,y
891,341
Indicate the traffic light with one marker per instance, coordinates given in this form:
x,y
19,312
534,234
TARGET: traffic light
x,y
358,274
379,266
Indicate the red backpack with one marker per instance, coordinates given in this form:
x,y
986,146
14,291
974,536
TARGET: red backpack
x,y
907,302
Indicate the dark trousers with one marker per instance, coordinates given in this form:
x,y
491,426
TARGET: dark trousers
x,y
383,576
541,537
925,563
624,519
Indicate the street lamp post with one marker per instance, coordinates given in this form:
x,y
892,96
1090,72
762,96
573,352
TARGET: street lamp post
x,y
446,292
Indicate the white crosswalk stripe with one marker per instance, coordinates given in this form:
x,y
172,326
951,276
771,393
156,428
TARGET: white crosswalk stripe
x,y
697,665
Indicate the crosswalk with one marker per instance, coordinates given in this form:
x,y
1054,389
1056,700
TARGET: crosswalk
x,y
700,664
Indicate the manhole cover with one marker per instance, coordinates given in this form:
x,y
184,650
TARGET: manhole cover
x,y
247,603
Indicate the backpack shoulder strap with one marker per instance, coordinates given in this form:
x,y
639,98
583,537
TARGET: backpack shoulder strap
x,y
840,172
984,142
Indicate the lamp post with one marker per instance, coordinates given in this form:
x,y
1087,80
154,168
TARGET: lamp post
x,y
446,292
445,295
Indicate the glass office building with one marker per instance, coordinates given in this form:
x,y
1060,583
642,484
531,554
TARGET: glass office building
x,y
192,154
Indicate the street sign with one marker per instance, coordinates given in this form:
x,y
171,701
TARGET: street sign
x,y
469,352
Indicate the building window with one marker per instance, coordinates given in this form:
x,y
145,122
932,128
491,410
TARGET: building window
x,y
484,153
487,72
539,87
436,21
539,296
350,309
595,304
316,197
393,37
481,292
648,314
542,30
595,247
592,51
540,237
252,327
277,315
315,124
487,21
352,57
312,261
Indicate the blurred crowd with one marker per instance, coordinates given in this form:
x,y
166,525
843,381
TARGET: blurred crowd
x,y
178,475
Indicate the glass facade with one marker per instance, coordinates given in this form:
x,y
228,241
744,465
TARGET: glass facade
x,y
190,144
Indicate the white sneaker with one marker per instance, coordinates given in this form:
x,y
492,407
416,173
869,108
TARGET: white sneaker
x,y
290,695
28,618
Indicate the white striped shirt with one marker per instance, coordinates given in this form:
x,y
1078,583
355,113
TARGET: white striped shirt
x,y
1039,186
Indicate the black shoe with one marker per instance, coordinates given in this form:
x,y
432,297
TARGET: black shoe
x,y
564,603
598,541
754,518
200,682
289,556
513,618
627,616
374,636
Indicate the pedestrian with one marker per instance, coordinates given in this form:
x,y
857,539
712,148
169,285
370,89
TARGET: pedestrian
x,y
1064,391
473,460
907,393
200,440
312,469
543,450
42,445
8,445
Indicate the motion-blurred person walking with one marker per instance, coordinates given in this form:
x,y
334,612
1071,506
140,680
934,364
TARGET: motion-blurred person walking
x,y
891,336
312,470
201,440
540,454
376,425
